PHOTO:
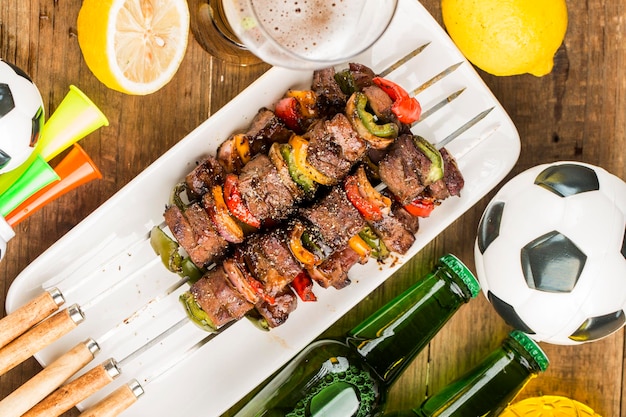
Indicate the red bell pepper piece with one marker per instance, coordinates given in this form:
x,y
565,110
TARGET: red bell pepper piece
x,y
303,286
288,110
407,109
254,283
258,288
220,215
235,203
368,209
420,207
372,205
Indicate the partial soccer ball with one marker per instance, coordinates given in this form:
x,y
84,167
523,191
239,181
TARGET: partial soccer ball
x,y
21,116
551,253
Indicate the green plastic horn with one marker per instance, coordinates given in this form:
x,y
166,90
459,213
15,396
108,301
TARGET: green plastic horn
x,y
75,169
38,174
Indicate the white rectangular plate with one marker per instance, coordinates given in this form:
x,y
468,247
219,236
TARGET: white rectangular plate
x,y
108,257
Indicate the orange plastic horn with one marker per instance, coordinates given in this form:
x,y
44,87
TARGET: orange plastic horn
x,y
75,169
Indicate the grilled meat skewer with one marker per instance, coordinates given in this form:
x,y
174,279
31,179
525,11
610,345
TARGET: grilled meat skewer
x,y
327,152
262,268
269,258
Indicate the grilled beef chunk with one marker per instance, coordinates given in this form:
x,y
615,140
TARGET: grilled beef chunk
x,y
195,233
240,281
438,190
353,147
334,270
269,259
218,298
324,154
278,312
401,169
209,303
334,146
263,191
182,231
410,222
330,99
207,174
236,305
379,102
362,75
335,218
393,233
266,128
451,174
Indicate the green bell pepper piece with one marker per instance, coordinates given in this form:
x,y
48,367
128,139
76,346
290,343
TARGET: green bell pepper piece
x,y
307,184
195,312
387,130
167,249
345,79
436,167
379,249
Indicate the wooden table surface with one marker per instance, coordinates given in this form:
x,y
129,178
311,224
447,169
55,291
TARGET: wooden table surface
x,y
575,113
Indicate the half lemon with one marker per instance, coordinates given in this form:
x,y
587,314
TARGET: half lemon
x,y
133,46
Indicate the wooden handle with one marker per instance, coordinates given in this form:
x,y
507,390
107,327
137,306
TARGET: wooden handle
x,y
75,391
116,402
39,337
25,317
46,381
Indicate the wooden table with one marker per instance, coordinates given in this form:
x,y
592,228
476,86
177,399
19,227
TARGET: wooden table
x,y
575,113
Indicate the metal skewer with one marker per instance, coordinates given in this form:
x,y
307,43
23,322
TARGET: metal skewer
x,y
57,325
403,60
63,322
486,134
61,369
474,120
439,105
436,78
425,114
70,394
60,324
51,299
100,376
126,395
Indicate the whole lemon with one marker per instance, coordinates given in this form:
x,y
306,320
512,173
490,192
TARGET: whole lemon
x,y
507,37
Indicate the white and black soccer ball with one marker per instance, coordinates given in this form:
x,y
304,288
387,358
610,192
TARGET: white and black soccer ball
x,y
551,253
21,116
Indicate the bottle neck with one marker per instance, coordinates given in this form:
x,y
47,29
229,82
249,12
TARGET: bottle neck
x,y
390,338
490,386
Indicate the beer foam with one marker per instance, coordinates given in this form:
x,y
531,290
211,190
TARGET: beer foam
x,y
314,28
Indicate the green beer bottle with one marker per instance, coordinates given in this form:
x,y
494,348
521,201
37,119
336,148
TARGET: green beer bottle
x,y
351,378
487,389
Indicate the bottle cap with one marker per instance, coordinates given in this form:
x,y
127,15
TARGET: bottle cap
x,y
532,348
463,272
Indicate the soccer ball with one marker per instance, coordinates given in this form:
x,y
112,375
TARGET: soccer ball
x,y
21,116
551,253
